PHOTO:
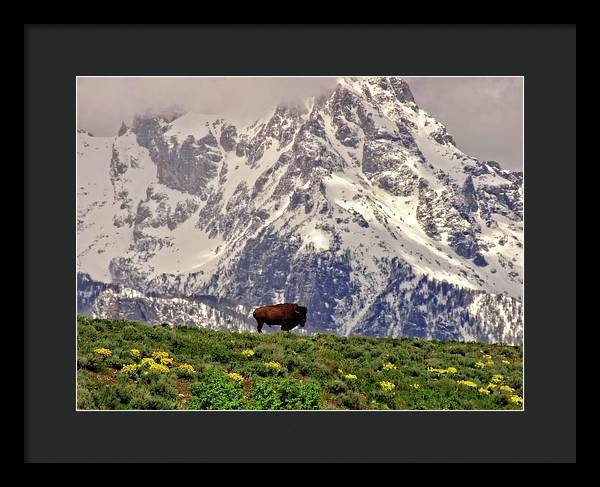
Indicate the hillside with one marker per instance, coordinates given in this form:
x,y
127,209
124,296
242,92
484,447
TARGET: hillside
x,y
132,365
357,204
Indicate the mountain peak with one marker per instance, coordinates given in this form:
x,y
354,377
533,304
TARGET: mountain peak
x,y
383,87
122,130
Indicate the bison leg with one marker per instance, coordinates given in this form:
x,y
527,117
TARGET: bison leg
x,y
259,326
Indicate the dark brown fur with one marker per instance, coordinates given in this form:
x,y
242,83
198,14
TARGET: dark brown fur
x,y
287,315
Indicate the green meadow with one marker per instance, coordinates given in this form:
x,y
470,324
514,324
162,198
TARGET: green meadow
x,y
132,365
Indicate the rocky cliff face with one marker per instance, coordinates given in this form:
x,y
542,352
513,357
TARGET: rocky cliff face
x,y
359,205
116,301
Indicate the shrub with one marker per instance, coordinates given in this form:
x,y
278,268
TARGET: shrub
x,y
316,370
253,368
352,352
143,399
87,362
276,366
113,361
85,400
336,386
185,370
131,332
292,362
286,393
234,376
162,386
269,369
107,396
214,390
219,352
350,400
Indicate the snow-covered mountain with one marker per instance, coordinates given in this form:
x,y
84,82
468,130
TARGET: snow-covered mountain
x,y
357,204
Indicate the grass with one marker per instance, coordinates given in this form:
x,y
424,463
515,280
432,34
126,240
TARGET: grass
x,y
215,369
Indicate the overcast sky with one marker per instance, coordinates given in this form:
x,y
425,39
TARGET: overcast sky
x,y
484,115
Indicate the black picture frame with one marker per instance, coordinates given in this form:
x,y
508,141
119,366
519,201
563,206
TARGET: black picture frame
x,y
544,432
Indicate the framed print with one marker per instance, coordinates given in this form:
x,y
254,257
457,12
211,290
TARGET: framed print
x,y
347,239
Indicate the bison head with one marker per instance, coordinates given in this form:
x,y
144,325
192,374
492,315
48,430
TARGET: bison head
x,y
300,313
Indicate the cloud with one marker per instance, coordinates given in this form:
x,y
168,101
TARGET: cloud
x,y
483,114
104,102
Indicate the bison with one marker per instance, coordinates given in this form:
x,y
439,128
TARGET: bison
x,y
288,315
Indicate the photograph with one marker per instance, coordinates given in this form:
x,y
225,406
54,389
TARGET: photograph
x,y
299,243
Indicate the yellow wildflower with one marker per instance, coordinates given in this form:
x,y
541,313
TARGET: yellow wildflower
x,y
497,378
387,386
389,366
104,352
414,386
129,369
506,362
273,365
160,355
187,368
147,361
161,369
487,357
507,389
247,352
491,385
449,370
166,361
483,390
351,376
340,371
516,399
236,377
135,352
153,366
467,383
479,365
